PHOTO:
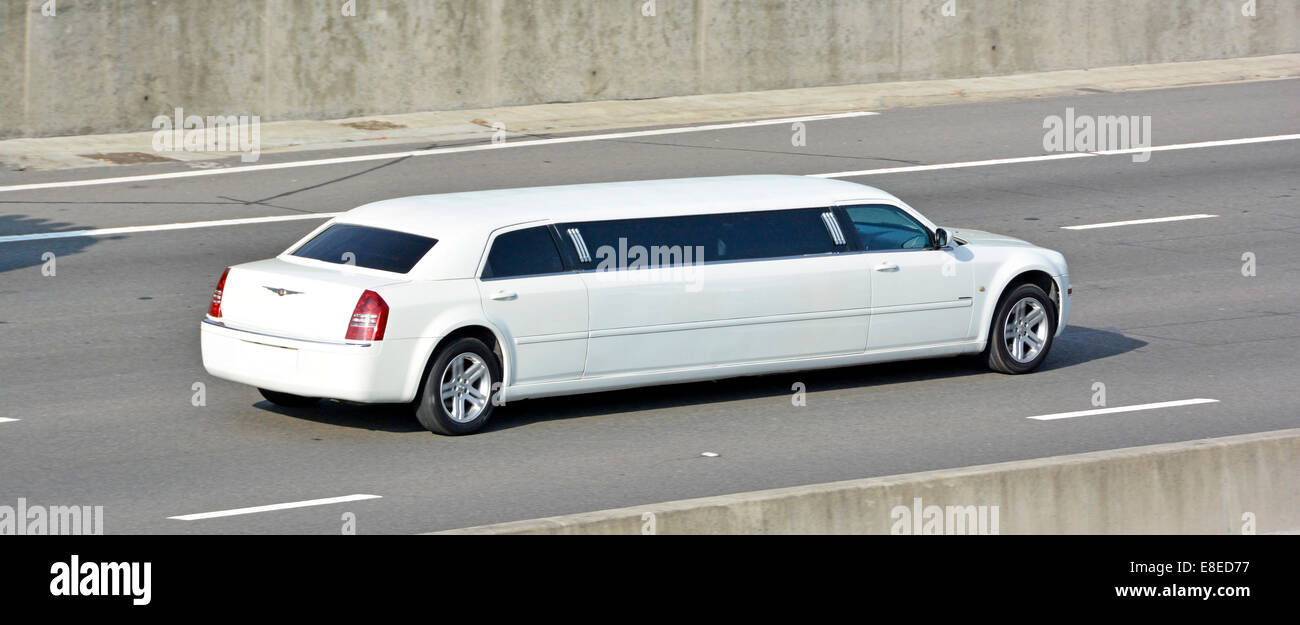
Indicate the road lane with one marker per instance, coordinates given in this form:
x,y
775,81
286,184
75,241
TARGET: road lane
x,y
100,360
894,138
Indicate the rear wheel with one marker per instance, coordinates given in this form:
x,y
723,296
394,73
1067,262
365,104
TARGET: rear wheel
x,y
457,394
1023,328
287,400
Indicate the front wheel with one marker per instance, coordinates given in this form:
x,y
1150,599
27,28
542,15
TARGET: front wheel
x,y
1023,328
457,395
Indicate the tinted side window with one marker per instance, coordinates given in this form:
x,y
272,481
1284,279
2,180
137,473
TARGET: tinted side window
x,y
883,227
372,248
526,252
672,241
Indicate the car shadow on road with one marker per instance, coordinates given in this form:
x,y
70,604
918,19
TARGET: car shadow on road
x,y
1076,346
394,418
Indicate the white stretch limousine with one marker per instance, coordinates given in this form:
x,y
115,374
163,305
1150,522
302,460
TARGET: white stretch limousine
x,y
457,303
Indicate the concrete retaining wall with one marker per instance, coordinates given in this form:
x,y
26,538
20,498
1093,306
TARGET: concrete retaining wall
x,y
1196,487
113,65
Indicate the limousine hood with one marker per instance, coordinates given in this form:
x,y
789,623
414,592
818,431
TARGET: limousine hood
x,y
292,300
980,237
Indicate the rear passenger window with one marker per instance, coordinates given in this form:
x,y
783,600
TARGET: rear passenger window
x,y
675,241
527,252
884,227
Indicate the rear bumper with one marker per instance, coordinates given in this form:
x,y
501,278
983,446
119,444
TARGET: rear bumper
x,y
370,373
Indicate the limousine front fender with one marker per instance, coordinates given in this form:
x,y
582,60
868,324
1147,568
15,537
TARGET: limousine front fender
x,y
1016,268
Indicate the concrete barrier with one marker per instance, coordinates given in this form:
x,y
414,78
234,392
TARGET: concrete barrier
x,y
95,66
1212,486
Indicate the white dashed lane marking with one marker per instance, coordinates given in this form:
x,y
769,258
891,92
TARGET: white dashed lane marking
x,y
273,507
1101,411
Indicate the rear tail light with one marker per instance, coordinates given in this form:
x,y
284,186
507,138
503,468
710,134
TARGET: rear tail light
x,y
369,318
214,309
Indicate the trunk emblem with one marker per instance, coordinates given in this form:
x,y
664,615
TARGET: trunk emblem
x,y
281,292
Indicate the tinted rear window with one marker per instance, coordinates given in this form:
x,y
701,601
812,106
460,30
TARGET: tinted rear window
x,y
363,246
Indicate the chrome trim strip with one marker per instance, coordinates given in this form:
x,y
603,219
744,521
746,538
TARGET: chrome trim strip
x,y
723,323
834,227
562,272
787,318
282,338
551,338
760,260
292,349
583,254
902,308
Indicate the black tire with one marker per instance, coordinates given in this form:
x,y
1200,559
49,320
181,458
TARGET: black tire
x,y
287,400
998,354
432,410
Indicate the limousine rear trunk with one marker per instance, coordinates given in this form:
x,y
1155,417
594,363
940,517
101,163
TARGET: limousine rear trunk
x,y
299,301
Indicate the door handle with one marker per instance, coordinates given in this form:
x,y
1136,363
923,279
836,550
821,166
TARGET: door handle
x,y
886,267
504,296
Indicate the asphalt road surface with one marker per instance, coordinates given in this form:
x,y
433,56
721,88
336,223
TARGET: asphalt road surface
x,y
98,362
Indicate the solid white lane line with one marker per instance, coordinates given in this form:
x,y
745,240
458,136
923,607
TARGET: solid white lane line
x,y
178,226
1053,157
1135,222
848,174
961,165
431,152
273,507
1099,411
1201,144
4,420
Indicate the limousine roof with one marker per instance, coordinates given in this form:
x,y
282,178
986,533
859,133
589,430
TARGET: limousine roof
x,y
448,214
462,222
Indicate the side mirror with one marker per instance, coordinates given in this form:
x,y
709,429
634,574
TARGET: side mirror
x,y
941,238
